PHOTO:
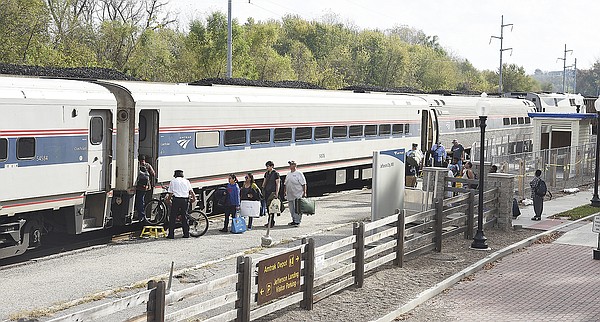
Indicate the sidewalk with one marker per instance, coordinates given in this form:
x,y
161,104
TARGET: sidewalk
x,y
559,281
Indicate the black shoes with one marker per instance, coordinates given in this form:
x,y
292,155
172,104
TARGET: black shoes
x,y
224,230
295,224
536,218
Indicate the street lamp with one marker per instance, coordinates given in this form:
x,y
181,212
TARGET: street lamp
x,y
595,199
481,107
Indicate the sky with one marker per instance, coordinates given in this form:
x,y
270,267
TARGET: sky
x,y
540,31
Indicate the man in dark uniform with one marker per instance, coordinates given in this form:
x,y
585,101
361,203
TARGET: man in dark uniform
x,y
270,185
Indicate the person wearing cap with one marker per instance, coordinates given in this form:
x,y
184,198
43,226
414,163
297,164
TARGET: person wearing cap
x,y
179,194
294,188
438,153
458,152
142,185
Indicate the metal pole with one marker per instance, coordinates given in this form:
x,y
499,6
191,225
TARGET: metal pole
x,y
479,239
575,77
229,53
501,39
595,199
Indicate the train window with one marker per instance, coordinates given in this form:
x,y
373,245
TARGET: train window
x,y
260,136
477,123
356,131
513,120
370,130
469,123
303,133
96,130
406,128
521,120
235,137
527,120
397,128
385,129
142,127
340,132
3,149
459,124
282,135
207,139
322,133
506,121
25,148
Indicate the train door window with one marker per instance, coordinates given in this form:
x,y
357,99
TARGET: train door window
x,y
407,128
506,121
96,130
527,120
3,149
397,128
385,129
513,120
459,124
142,127
209,139
260,136
340,132
303,133
370,130
521,120
25,148
356,131
322,133
282,135
469,123
235,137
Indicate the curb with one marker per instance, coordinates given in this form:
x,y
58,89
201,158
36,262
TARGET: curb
x,y
450,281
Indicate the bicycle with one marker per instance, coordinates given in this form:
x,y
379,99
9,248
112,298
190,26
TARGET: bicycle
x,y
157,212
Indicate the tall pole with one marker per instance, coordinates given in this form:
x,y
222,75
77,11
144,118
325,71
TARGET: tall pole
x,y
479,239
229,53
502,25
575,77
595,199
564,59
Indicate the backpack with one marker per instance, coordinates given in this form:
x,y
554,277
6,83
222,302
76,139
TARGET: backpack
x,y
221,196
541,189
142,181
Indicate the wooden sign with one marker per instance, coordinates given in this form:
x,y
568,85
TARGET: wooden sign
x,y
279,276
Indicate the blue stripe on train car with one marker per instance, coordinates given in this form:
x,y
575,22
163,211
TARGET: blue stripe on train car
x,y
51,150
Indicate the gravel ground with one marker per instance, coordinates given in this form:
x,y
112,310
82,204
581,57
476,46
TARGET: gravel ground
x,y
390,287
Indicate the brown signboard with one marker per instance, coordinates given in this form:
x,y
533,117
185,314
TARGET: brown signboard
x,y
279,276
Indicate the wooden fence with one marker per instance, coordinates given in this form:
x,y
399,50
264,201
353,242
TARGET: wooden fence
x,y
325,270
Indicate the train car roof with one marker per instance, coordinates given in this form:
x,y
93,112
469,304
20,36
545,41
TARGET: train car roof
x,y
19,87
164,92
467,104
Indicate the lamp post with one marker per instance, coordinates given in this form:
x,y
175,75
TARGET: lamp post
x,y
481,107
595,199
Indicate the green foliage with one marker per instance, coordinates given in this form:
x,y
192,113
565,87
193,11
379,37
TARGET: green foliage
x,y
23,30
577,213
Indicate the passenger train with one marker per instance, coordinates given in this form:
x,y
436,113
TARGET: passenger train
x,y
68,148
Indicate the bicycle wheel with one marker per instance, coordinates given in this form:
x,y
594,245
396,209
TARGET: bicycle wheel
x,y
198,223
156,211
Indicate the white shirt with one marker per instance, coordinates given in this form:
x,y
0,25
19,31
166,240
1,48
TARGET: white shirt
x,y
180,187
294,182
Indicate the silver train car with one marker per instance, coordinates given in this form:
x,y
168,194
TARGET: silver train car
x,y
68,148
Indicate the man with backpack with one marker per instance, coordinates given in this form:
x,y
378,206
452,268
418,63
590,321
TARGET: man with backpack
x,y
142,185
538,191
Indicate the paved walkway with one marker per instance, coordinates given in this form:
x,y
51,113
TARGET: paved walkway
x,y
559,281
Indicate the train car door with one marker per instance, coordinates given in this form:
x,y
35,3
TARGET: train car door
x,y
100,135
429,129
148,137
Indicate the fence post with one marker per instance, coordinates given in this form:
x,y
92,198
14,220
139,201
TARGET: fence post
x,y
309,274
244,287
400,224
359,254
470,214
439,209
155,308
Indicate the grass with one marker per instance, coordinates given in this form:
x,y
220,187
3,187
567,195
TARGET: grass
x,y
577,213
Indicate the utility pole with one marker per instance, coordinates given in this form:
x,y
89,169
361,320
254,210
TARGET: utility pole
x,y
229,52
564,59
575,77
502,25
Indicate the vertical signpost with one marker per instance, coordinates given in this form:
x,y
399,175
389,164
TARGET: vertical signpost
x,y
596,229
388,183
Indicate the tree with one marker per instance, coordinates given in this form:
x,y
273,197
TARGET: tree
x,y
23,25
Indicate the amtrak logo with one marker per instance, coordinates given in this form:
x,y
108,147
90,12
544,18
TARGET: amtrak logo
x,y
183,142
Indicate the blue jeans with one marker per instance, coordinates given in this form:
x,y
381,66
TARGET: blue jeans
x,y
140,203
297,218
